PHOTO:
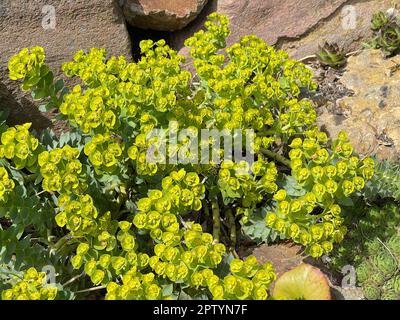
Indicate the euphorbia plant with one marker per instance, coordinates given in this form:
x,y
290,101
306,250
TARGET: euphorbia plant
x,y
145,229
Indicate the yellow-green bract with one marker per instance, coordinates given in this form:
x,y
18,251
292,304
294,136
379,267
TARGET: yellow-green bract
x,y
129,220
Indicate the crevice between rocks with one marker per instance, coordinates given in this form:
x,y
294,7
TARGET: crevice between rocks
x,y
137,34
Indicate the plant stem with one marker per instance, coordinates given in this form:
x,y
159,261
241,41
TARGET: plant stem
x,y
73,279
41,192
216,219
269,132
232,226
41,239
206,209
62,241
235,254
91,289
183,221
276,156
30,178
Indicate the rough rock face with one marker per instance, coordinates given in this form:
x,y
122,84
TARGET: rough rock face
x,y
18,114
296,26
163,15
77,24
284,256
349,26
372,115
271,20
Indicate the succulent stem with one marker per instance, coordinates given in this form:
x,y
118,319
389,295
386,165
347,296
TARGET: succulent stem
x,y
216,219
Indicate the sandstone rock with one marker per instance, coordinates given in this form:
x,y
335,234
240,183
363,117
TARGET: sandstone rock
x,y
340,293
284,257
361,134
372,115
77,24
163,15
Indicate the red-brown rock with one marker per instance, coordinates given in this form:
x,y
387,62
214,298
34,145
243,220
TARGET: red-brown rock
x,y
164,15
297,26
62,27
272,20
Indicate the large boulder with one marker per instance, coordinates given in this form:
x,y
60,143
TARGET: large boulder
x,y
163,15
296,26
371,115
62,27
271,20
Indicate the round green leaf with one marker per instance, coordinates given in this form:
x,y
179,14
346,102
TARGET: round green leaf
x,y
302,283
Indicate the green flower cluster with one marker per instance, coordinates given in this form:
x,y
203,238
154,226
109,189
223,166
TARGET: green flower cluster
x,y
249,280
60,168
181,192
248,184
293,220
176,262
119,91
100,261
314,219
104,152
6,184
157,213
91,66
131,217
192,264
62,171
206,44
138,153
20,146
329,175
28,64
135,286
245,89
32,286
88,111
232,94
118,94
77,213
298,118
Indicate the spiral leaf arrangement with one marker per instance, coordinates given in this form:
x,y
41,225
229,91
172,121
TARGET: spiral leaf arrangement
x,y
373,247
331,55
386,29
